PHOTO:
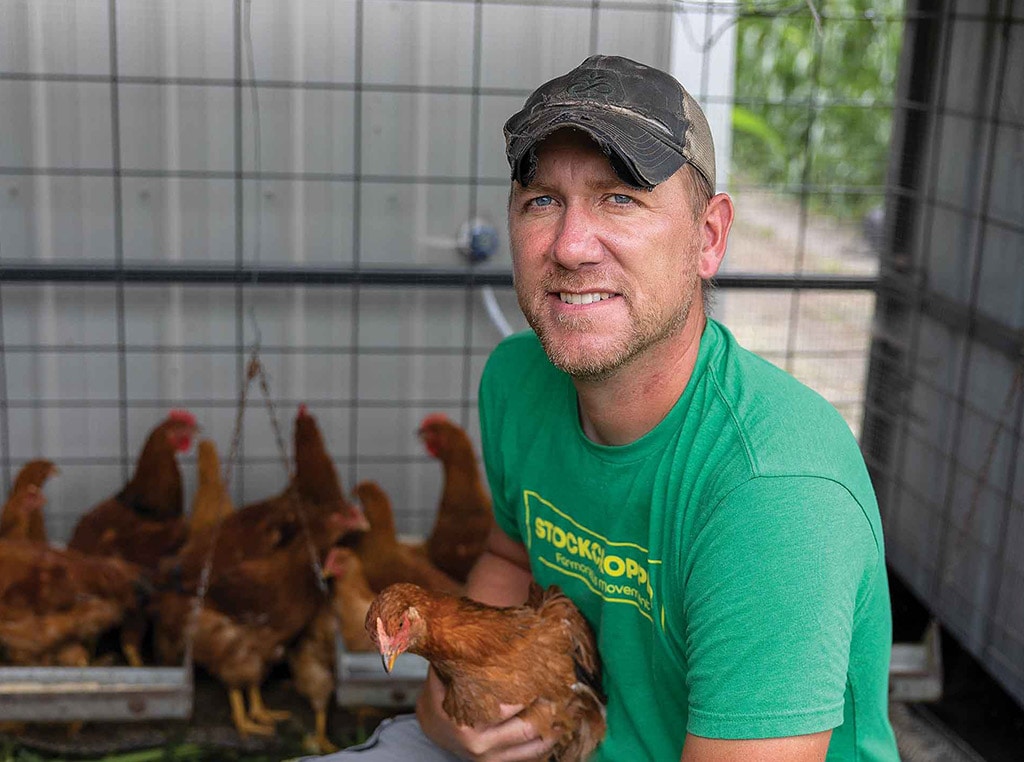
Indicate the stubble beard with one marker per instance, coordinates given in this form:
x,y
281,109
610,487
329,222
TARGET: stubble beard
x,y
646,330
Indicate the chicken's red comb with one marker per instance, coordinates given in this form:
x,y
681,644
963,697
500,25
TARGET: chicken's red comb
x,y
303,410
182,416
434,418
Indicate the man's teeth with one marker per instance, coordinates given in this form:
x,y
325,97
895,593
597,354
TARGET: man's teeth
x,y
582,298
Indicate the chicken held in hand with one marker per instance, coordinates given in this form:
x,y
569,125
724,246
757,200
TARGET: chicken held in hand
x,y
387,561
464,515
541,655
312,658
22,517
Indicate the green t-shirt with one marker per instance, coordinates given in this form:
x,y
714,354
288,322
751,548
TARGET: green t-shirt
x,y
730,560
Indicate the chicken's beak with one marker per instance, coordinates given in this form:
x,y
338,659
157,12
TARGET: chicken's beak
x,y
388,649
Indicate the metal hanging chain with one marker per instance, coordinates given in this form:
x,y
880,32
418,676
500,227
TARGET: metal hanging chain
x,y
282,449
293,499
252,368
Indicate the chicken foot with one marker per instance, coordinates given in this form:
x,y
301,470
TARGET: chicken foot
x,y
243,724
258,710
318,742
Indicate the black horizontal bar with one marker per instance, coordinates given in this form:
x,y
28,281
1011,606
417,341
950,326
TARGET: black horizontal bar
x,y
991,331
364,276
262,276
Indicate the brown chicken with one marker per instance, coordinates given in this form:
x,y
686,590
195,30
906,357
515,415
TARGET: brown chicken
x,y
542,655
258,529
22,516
312,659
386,560
464,515
251,610
54,604
143,523
211,502
261,560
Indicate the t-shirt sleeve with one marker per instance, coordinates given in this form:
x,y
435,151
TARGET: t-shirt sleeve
x,y
773,582
491,409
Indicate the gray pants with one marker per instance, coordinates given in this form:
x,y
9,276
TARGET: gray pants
x,y
398,739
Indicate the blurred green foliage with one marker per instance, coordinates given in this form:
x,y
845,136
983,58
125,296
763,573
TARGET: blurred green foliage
x,y
814,105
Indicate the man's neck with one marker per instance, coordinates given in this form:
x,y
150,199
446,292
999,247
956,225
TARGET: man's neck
x,y
623,408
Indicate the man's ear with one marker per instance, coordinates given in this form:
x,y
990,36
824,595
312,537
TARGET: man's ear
x,y
715,224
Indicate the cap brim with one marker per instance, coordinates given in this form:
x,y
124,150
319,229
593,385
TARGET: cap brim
x,y
644,159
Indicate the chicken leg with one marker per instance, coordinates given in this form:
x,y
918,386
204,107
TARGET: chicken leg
x,y
131,655
243,724
318,742
259,712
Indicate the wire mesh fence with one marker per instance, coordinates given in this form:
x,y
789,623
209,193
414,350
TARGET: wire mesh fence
x,y
180,179
945,401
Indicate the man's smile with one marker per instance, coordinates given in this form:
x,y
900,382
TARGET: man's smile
x,y
588,297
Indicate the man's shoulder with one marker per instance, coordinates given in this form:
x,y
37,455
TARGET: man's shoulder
x,y
785,424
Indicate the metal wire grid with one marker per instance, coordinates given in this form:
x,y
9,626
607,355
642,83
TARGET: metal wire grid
x,y
238,278
945,401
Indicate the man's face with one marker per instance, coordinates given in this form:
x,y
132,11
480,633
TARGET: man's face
x,y
603,272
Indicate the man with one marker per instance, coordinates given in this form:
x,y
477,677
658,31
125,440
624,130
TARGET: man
x,y
710,516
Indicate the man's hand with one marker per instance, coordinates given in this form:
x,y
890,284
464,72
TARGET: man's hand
x,y
510,740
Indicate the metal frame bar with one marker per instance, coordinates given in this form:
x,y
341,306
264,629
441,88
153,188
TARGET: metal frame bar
x,y
268,275
357,217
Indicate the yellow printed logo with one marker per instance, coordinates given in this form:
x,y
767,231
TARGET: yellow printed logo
x,y
618,572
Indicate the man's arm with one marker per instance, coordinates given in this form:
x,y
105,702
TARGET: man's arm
x,y
808,748
501,576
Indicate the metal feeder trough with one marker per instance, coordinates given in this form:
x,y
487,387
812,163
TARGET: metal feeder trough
x,y
362,681
915,671
117,694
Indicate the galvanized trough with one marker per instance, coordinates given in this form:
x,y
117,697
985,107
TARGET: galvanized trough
x,y
915,672
362,681
117,694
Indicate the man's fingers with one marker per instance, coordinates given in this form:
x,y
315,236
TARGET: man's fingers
x,y
513,740
537,750
505,711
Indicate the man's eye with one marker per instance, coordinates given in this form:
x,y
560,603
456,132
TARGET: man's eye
x,y
622,198
541,201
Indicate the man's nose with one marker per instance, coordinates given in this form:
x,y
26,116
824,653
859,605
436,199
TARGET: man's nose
x,y
577,242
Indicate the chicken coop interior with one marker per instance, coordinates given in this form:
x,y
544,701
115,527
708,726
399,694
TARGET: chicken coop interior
x,y
266,212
